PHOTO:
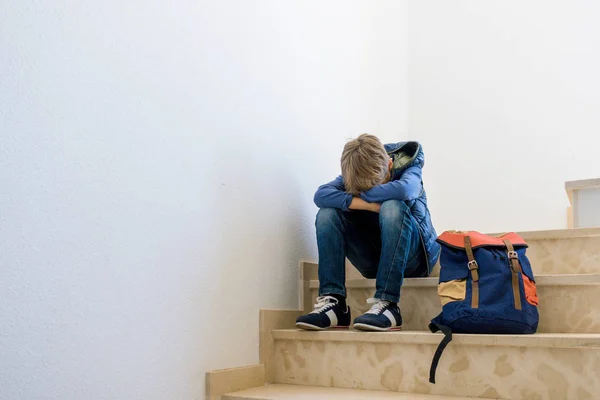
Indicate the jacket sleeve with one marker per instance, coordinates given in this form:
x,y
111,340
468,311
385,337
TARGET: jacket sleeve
x,y
408,187
333,195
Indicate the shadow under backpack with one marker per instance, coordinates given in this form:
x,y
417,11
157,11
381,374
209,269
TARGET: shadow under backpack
x,y
486,286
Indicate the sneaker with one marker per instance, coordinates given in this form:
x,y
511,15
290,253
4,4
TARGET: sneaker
x,y
328,314
383,316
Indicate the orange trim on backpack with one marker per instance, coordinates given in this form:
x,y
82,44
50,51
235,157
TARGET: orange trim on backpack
x,y
530,291
457,239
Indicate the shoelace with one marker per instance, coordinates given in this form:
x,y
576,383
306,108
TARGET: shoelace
x,y
378,306
324,303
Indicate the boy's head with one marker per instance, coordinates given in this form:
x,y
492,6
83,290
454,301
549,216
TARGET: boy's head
x,y
365,164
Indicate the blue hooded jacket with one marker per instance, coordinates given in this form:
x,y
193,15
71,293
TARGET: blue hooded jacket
x,y
406,184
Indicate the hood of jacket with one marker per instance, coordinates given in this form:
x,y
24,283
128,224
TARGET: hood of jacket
x,y
405,155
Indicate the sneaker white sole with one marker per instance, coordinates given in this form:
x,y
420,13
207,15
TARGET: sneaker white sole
x,y
310,327
371,328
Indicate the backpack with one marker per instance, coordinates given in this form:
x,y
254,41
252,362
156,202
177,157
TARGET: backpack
x,y
486,286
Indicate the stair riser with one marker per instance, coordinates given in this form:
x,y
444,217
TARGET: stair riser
x,y
563,309
475,371
565,256
548,256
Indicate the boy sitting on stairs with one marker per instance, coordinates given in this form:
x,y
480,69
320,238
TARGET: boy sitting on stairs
x,y
375,214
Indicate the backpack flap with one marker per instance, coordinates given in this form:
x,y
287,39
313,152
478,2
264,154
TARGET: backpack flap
x,y
456,239
459,248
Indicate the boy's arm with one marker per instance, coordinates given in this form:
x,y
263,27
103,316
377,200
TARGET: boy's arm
x,y
408,187
360,204
333,195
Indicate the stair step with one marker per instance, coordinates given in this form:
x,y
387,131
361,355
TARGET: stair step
x,y
568,303
545,340
540,366
296,392
562,251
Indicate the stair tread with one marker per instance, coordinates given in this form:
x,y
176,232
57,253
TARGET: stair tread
x,y
552,340
296,392
541,280
560,234
582,184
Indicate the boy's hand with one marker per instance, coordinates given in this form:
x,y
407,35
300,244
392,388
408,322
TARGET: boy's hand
x,y
360,204
376,207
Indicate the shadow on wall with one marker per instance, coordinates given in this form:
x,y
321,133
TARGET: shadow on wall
x,y
257,232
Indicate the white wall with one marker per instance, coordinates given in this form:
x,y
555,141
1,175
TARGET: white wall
x,y
157,164
505,97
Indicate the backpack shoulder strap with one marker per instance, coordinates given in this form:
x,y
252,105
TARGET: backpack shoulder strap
x,y
441,347
515,267
474,268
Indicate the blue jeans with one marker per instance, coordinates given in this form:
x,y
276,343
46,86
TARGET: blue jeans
x,y
385,246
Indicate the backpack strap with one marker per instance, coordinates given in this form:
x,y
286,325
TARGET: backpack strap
x,y
474,268
515,267
441,347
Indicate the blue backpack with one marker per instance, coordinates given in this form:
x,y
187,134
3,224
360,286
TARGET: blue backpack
x,y
486,286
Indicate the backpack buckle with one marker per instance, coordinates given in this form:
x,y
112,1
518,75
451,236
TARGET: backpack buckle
x,y
513,255
474,267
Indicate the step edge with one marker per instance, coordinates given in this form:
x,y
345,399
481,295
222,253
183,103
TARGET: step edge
x,y
236,396
552,234
430,282
579,184
542,340
257,393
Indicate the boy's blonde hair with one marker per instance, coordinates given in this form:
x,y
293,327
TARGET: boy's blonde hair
x,y
364,164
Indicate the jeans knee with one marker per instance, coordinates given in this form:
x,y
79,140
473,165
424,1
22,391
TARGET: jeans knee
x,y
392,210
327,217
